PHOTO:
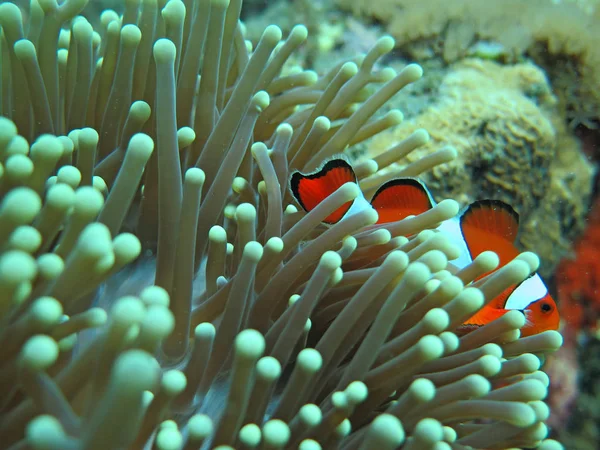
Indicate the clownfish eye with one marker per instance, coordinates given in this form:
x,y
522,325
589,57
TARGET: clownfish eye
x,y
546,307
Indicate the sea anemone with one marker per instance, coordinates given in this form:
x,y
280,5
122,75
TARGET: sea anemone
x,y
157,287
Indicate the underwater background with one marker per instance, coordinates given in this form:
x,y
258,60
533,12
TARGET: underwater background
x,y
512,86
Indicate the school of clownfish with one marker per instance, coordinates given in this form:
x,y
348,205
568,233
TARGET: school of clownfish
x,y
484,225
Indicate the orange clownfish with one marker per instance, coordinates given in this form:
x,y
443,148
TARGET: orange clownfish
x,y
483,225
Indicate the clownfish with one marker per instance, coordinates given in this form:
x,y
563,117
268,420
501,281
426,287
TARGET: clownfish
x,y
483,225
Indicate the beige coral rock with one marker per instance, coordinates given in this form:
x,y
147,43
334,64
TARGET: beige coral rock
x,y
511,146
558,35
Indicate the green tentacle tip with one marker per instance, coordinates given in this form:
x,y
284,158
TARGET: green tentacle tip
x,y
69,175
95,240
261,100
205,331
174,11
141,145
309,444
88,201
46,311
185,137
45,432
542,410
159,321
388,429
276,432
50,266
413,71
39,353
127,247
298,34
136,371
397,259
310,360
245,212
489,365
169,439
82,30
164,51
99,184
19,168
268,368
488,260
435,260
250,344
131,35
253,251
550,444
274,244
385,44
386,74
529,390
21,205
173,382
531,259
394,117
435,320
141,110
348,70
95,317
429,431
310,415
217,234
195,176
272,35
416,275
8,129
515,319
357,392
16,267
10,14
322,124
128,311
155,295
330,261
47,148
250,435
88,137
420,137
24,49
257,148
422,389
25,238
200,426
448,208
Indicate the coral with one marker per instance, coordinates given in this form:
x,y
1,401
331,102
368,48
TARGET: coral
x,y
578,278
501,121
564,369
558,36
580,430
226,318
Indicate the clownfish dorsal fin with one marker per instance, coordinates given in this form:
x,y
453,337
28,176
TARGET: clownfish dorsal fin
x,y
312,188
491,225
400,198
